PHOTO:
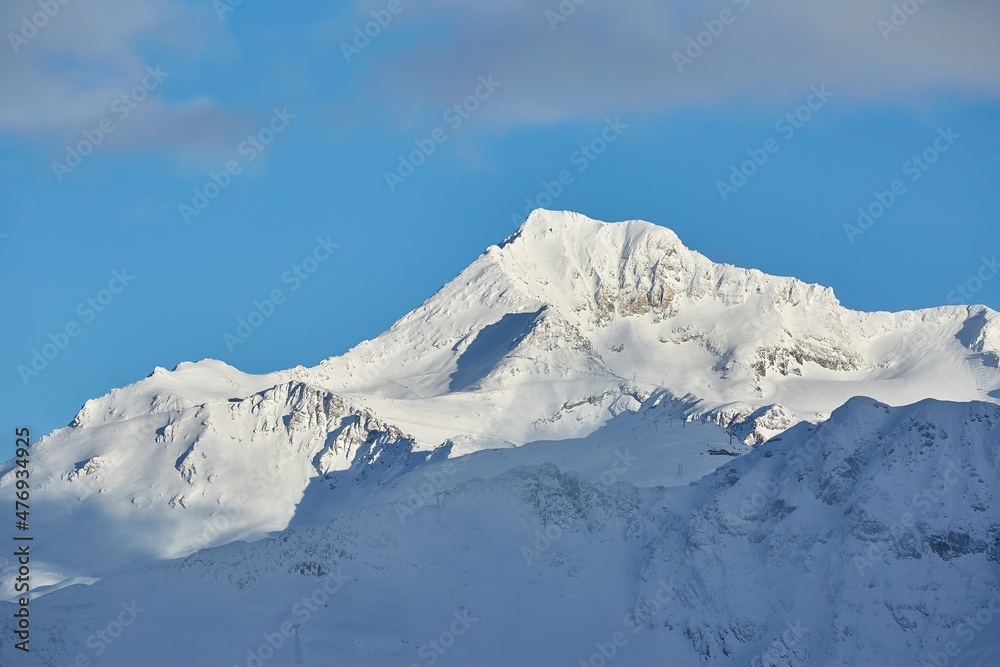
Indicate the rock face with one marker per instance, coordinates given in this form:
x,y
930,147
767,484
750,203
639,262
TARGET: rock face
x,y
568,326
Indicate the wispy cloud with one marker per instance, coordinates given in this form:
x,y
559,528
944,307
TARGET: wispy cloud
x,y
63,66
606,56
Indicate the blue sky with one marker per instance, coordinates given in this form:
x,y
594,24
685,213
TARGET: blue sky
x,y
228,146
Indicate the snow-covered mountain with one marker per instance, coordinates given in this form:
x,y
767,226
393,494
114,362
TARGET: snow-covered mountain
x,y
872,539
571,302
876,535
571,329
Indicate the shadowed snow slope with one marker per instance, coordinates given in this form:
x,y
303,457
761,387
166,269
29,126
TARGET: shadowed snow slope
x,y
873,539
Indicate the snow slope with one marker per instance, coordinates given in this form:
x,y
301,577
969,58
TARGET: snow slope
x,y
555,339
572,300
873,539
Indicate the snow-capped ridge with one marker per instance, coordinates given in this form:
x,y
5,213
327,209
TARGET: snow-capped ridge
x,y
635,259
566,331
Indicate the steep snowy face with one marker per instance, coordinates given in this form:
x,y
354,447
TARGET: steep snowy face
x,y
594,281
594,271
602,275
567,298
873,539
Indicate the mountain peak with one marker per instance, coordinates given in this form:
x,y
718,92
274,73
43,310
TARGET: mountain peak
x,y
607,303
574,330
544,224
